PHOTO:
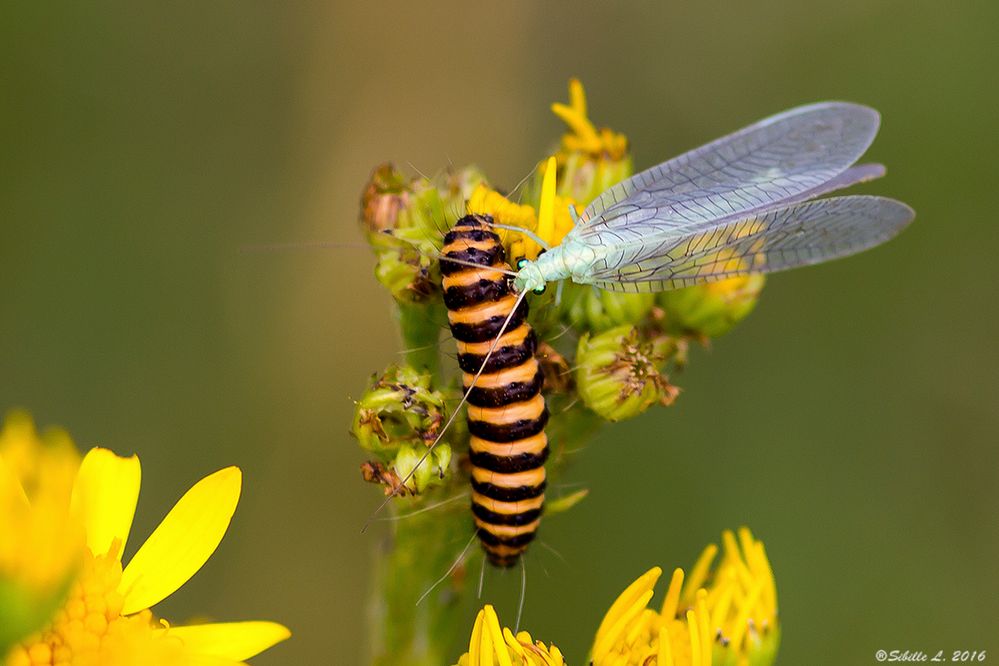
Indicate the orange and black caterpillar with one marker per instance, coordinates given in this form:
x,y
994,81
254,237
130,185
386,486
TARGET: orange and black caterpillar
x,y
506,411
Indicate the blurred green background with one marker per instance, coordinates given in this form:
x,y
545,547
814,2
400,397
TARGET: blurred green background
x,y
852,421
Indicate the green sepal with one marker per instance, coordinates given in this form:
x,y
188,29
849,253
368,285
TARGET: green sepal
x,y
762,650
566,502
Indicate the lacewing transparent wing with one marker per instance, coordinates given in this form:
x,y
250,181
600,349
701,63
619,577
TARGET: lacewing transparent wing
x,y
798,235
738,205
764,164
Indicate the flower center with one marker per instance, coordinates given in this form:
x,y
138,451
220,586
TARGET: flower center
x,y
90,629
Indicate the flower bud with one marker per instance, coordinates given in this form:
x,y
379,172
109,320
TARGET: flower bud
x,y
403,218
711,309
412,210
406,275
595,310
619,373
398,408
431,471
385,196
398,417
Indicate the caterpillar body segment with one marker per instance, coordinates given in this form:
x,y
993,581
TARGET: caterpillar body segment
x,y
506,411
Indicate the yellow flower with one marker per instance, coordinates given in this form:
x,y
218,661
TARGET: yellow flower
x,y
590,160
41,543
583,135
106,618
724,616
551,220
492,646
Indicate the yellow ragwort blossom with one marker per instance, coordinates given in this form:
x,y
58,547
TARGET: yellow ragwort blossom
x,y
491,645
590,160
726,616
551,220
41,543
106,618
583,136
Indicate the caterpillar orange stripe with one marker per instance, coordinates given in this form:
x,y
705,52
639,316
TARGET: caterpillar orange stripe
x,y
506,411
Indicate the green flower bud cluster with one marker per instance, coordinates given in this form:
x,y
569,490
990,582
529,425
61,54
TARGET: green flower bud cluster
x,y
713,309
397,418
403,219
620,372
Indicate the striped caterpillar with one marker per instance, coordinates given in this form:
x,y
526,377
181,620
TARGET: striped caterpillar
x,y
506,411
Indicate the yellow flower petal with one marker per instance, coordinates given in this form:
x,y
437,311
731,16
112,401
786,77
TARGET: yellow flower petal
x,y
183,542
626,608
577,96
698,574
693,627
11,491
496,637
106,491
475,639
586,133
672,600
665,645
230,640
546,208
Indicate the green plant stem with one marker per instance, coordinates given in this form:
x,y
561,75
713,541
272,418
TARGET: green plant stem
x,y
418,553
420,325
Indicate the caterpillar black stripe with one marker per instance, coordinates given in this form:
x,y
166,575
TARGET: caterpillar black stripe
x,y
506,411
